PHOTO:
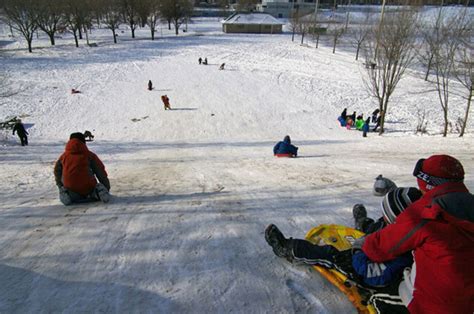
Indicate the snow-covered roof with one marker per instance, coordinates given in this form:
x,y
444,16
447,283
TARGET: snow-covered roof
x,y
252,18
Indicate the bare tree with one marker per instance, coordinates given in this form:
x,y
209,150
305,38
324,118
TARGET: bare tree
x,y
394,44
143,11
130,14
447,33
359,33
176,11
303,28
425,53
294,23
22,17
50,17
246,5
154,17
224,5
337,30
464,74
76,16
112,17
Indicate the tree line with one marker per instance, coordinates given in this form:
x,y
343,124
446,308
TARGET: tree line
x,y
399,41
78,16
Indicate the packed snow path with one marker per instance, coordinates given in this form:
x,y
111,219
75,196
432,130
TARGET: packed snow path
x,y
193,188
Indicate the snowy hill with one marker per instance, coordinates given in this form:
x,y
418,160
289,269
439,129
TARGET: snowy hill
x,y
193,188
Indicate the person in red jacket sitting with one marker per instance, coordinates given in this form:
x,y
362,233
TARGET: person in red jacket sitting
x,y
439,229
76,171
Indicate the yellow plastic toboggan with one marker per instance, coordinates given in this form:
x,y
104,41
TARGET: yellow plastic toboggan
x,y
341,238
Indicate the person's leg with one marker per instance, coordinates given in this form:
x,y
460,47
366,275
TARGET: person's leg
x,y
299,250
26,140
311,254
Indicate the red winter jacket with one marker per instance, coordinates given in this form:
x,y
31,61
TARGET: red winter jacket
x,y
77,167
440,229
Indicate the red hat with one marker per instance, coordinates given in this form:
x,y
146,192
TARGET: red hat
x,y
436,170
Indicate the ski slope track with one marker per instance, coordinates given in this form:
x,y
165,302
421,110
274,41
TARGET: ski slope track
x,y
194,187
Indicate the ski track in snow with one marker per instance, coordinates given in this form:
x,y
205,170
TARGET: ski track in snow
x,y
193,188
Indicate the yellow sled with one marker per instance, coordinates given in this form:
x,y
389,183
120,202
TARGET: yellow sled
x,y
341,238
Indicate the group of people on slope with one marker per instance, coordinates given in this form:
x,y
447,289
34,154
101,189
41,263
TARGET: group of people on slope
x,y
359,122
421,249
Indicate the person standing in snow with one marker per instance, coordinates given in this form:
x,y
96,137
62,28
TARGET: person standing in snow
x,y
439,229
166,102
375,115
76,173
205,61
150,85
365,127
359,122
344,114
353,263
378,121
200,60
285,148
19,128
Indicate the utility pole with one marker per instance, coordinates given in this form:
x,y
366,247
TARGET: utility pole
x,y
347,15
379,30
316,7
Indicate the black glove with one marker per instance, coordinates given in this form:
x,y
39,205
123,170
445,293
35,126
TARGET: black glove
x,y
343,261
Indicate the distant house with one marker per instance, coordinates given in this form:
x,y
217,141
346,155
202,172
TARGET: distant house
x,y
252,23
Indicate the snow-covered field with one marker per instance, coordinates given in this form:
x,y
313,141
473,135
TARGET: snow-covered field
x,y
193,188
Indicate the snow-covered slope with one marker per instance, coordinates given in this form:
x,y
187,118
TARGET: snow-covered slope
x,y
193,188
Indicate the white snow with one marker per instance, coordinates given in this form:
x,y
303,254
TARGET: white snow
x,y
194,188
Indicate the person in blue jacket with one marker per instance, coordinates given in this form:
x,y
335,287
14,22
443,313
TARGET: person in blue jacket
x,y
285,148
353,263
365,127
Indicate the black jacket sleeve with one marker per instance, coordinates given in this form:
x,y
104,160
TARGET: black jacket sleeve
x,y
58,173
100,173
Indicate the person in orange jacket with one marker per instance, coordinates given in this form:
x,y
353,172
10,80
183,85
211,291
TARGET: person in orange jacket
x,y
76,173
166,102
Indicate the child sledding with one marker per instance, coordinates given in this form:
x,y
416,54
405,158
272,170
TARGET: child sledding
x,y
285,148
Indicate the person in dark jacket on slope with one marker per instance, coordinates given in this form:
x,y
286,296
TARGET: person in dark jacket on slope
x,y
439,229
285,148
19,128
76,173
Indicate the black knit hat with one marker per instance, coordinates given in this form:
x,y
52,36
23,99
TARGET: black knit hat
x,y
398,200
79,136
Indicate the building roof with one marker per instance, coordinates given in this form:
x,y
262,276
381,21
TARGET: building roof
x,y
252,18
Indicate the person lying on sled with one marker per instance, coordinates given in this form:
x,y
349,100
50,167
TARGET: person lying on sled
x,y
285,148
353,262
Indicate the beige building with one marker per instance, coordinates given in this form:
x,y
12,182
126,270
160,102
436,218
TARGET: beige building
x,y
252,23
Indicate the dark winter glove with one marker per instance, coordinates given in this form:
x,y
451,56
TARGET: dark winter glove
x,y
343,261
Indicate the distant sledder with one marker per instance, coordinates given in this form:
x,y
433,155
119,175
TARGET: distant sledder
x,y
166,102
285,148
76,173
